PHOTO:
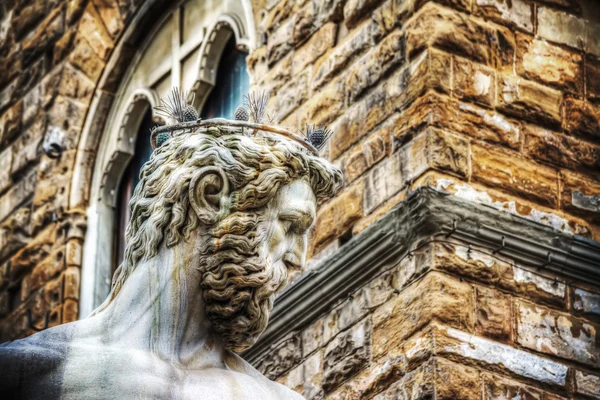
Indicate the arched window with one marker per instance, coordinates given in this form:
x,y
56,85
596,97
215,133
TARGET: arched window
x,y
198,45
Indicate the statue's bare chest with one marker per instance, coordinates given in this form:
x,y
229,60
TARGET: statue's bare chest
x,y
127,374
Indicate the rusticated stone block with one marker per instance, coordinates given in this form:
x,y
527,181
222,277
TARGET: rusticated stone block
x,y
455,381
72,84
416,384
355,10
364,156
369,70
316,46
290,96
435,149
110,13
436,296
63,46
313,376
312,337
514,174
84,58
324,107
337,216
492,309
558,334
582,117
72,278
383,182
514,13
549,64
5,162
581,196
92,28
17,194
46,33
481,267
29,13
495,387
587,384
473,82
282,358
280,42
572,30
458,33
342,54
560,149
70,311
529,100
346,354
586,302
496,357
278,76
592,77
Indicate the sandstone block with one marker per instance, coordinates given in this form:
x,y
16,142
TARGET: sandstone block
x,y
586,302
315,47
337,216
581,196
592,77
416,384
46,33
515,175
571,33
460,34
369,70
558,334
493,316
312,337
560,149
435,149
487,125
72,278
84,58
342,54
587,384
313,375
277,76
456,381
383,182
30,13
110,13
582,117
514,13
324,107
473,82
495,387
549,64
5,162
436,296
529,100
17,194
92,28
70,311
73,84
364,156
290,96
281,358
355,10
346,354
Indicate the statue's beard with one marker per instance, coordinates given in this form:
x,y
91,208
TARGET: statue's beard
x,y
239,283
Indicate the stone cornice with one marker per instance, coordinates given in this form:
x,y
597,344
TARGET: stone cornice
x,y
425,213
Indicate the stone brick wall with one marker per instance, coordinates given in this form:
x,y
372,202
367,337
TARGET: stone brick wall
x,y
495,101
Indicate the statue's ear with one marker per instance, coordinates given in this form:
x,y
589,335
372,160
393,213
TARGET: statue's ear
x,y
209,193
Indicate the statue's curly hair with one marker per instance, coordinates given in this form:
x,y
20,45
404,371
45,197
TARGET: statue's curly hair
x,y
256,167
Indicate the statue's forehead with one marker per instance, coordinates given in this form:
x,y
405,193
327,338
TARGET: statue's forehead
x,y
297,194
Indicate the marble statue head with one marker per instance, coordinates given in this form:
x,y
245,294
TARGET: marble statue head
x,y
249,201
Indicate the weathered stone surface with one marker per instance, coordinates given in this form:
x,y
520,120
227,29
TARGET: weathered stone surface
x,y
455,381
529,100
497,168
17,194
324,107
365,155
290,96
416,384
354,10
572,30
313,375
592,77
14,235
459,34
280,42
473,82
489,270
514,13
587,384
580,196
586,302
582,117
435,149
30,12
346,355
92,28
492,314
281,358
436,296
110,13
549,64
495,387
315,47
336,217
557,334
383,182
343,53
5,162
370,69
84,58
560,149
46,33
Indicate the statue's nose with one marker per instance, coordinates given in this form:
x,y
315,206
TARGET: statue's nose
x,y
295,257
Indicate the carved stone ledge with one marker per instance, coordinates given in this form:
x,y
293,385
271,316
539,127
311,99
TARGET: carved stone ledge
x,y
426,213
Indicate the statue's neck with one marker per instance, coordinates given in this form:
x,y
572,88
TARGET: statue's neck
x,y
160,309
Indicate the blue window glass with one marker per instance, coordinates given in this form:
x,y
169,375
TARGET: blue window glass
x,y
232,84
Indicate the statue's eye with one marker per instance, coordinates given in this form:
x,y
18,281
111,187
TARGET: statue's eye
x,y
296,221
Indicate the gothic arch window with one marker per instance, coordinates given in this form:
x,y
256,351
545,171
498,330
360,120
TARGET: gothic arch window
x,y
198,45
